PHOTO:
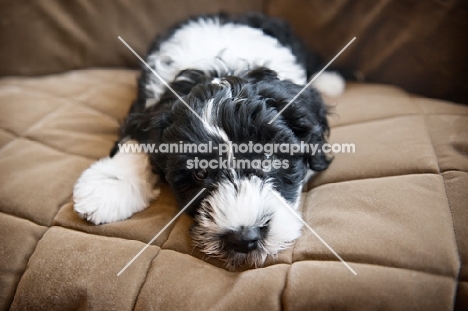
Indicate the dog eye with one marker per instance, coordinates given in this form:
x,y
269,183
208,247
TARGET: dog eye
x,y
200,174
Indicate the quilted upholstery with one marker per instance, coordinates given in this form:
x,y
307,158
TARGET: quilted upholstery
x,y
395,210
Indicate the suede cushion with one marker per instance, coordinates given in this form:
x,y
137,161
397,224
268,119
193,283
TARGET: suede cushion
x,y
395,210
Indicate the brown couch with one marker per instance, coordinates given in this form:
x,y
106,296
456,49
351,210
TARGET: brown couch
x,y
396,210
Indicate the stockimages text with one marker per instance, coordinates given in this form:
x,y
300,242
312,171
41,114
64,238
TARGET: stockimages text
x,y
265,159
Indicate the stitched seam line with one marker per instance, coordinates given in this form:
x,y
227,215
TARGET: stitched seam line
x,y
450,210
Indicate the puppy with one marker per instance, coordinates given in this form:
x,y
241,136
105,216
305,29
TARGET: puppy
x,y
228,78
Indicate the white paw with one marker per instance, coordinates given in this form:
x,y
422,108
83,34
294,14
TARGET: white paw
x,y
113,189
330,83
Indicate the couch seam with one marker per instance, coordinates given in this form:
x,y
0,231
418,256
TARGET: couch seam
x,y
47,94
24,218
380,177
457,276
9,133
381,266
415,114
302,206
19,80
146,277
26,131
170,232
27,264
44,117
52,111
15,137
56,149
47,146
448,275
83,104
61,205
368,264
456,244
68,101
188,254
408,115
282,298
27,219
23,135
13,80
80,103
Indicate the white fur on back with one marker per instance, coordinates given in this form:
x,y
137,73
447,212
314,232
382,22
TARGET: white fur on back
x,y
113,189
206,45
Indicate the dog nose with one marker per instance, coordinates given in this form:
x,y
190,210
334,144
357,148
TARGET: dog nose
x,y
243,240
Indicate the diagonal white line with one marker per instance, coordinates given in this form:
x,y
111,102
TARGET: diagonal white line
x,y
312,80
316,234
159,77
162,230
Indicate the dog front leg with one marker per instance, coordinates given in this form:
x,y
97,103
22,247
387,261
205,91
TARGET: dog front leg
x,y
114,188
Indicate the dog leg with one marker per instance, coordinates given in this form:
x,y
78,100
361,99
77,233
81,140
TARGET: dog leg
x,y
113,189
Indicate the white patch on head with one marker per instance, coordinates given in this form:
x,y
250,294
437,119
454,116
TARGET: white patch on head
x,y
210,114
113,189
248,202
206,44
216,81
207,116
330,83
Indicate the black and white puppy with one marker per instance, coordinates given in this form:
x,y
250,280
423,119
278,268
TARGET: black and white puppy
x,y
236,73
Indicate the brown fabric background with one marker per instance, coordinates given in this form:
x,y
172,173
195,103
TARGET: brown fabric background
x,y
421,46
396,210
50,36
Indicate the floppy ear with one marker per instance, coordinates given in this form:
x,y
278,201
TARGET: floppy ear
x,y
305,116
144,124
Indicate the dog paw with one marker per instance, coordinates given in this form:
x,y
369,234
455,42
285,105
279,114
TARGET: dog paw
x,y
113,189
330,83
